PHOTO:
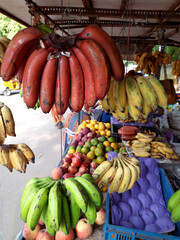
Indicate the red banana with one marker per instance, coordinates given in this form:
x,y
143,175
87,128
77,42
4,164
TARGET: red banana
x,y
77,84
47,86
99,65
62,89
32,75
21,69
106,42
90,96
16,50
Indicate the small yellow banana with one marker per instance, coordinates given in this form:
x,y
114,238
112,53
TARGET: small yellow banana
x,y
4,159
2,131
17,159
8,120
123,186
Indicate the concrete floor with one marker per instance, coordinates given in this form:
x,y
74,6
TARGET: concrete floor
x,y
38,131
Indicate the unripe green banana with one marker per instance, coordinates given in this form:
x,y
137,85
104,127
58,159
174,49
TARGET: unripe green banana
x,y
77,191
91,212
173,201
37,205
175,215
75,211
49,228
88,177
55,206
65,224
91,190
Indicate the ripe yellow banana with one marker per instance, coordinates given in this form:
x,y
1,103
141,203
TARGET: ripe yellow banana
x,y
17,160
103,105
121,115
123,186
109,97
147,91
8,121
138,144
146,109
133,111
141,153
2,131
101,170
133,92
134,173
119,94
2,52
4,159
162,99
145,140
28,153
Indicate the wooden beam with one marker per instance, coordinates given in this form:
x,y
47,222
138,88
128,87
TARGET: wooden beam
x,y
14,18
170,34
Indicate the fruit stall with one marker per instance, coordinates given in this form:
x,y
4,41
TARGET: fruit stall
x,y
118,173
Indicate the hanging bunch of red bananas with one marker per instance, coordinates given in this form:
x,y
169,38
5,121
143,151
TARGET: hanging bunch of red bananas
x,y
82,75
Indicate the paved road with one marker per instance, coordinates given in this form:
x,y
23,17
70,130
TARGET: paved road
x,y
38,131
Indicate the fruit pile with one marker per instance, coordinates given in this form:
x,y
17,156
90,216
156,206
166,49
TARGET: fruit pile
x,y
174,206
134,98
99,128
4,41
60,204
149,63
146,145
76,68
176,68
120,173
15,156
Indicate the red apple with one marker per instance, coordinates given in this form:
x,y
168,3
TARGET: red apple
x,y
76,161
57,173
66,164
83,170
84,164
100,219
66,159
30,235
69,155
78,155
68,175
44,235
93,164
83,229
61,236
72,169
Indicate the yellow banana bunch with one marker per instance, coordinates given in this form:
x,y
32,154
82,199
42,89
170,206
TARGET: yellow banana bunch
x,y
176,68
4,41
109,98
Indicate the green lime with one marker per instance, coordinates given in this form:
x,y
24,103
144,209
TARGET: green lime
x,y
109,148
88,144
100,159
85,150
102,139
78,149
72,147
93,148
116,150
111,140
94,142
100,145
99,152
91,155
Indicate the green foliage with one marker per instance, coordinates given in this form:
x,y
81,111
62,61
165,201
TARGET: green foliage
x,y
9,27
173,51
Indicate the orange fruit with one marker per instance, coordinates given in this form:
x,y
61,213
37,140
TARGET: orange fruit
x,y
114,145
106,155
106,143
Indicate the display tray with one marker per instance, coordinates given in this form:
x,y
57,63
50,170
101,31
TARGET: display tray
x,y
118,232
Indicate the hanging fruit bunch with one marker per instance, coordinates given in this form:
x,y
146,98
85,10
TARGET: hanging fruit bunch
x,y
149,63
76,68
134,98
176,68
4,41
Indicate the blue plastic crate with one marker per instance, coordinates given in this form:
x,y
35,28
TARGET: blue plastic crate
x,y
112,232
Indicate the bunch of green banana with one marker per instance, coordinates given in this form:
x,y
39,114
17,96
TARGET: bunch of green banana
x,y
120,173
174,206
4,41
16,156
60,203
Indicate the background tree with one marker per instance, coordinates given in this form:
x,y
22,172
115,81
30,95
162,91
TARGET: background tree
x,y
173,51
9,27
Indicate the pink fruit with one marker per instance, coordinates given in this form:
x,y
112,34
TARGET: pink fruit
x,y
88,161
44,235
66,164
61,236
69,155
83,170
84,164
76,161
83,229
93,164
78,155
66,159
57,173
72,169
68,175
100,219
30,235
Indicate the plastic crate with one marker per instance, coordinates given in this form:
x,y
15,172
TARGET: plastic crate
x,y
112,232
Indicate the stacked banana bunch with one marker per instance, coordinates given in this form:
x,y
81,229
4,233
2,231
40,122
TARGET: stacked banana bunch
x,y
134,98
7,124
120,173
149,63
16,156
176,68
146,145
4,41
60,203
